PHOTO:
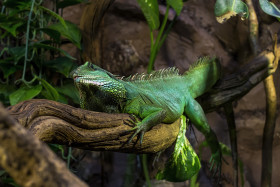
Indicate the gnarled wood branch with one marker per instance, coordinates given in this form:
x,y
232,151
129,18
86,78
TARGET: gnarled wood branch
x,y
28,160
233,87
58,123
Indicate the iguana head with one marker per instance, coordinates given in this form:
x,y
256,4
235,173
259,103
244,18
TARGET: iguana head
x,y
97,86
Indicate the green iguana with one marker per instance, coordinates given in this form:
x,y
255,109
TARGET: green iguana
x,y
160,97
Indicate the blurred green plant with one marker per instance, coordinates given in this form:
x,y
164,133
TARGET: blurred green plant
x,y
225,9
270,8
150,9
32,64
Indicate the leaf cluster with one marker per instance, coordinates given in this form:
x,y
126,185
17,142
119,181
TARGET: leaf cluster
x,y
32,63
225,9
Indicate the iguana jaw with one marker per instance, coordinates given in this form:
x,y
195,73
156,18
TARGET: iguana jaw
x,y
95,81
76,77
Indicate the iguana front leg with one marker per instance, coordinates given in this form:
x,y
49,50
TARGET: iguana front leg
x,y
150,116
196,115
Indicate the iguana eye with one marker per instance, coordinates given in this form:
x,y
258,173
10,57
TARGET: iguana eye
x,y
89,65
92,66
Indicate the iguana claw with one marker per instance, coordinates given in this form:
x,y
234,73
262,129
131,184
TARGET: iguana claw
x,y
132,122
139,129
215,162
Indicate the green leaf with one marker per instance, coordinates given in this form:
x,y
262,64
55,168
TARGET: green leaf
x,y
52,94
72,32
10,23
151,12
15,3
184,163
70,91
17,53
61,20
45,46
7,68
24,93
62,65
63,4
4,50
62,99
177,5
269,8
225,9
52,33
11,28
5,91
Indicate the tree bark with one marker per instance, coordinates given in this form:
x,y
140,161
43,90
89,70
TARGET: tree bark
x,y
233,87
90,24
54,122
28,160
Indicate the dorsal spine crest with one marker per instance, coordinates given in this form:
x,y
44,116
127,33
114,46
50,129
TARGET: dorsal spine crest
x,y
200,63
160,74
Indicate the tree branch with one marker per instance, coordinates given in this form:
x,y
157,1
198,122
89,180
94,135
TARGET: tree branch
x,y
58,123
28,160
233,87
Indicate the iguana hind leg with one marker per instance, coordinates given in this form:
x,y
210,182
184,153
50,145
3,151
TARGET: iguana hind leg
x,y
196,115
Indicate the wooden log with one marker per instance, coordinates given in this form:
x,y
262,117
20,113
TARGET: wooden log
x,y
28,160
58,123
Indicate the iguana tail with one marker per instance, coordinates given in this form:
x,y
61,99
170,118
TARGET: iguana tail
x,y
202,75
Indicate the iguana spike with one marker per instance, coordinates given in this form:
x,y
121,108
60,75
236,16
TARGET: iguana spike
x,y
134,76
163,73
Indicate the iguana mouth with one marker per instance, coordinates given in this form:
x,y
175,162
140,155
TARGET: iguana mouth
x,y
76,77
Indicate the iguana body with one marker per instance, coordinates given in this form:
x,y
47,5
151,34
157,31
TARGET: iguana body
x,y
162,96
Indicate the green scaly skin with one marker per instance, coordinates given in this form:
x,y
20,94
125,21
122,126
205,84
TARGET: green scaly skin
x,y
160,97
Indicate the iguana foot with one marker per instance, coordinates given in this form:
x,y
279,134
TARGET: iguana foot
x,y
137,126
140,130
216,162
132,122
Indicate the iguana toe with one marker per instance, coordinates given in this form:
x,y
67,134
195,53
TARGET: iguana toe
x,y
215,162
140,131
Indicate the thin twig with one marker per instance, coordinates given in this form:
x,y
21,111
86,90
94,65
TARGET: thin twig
x,y
27,41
